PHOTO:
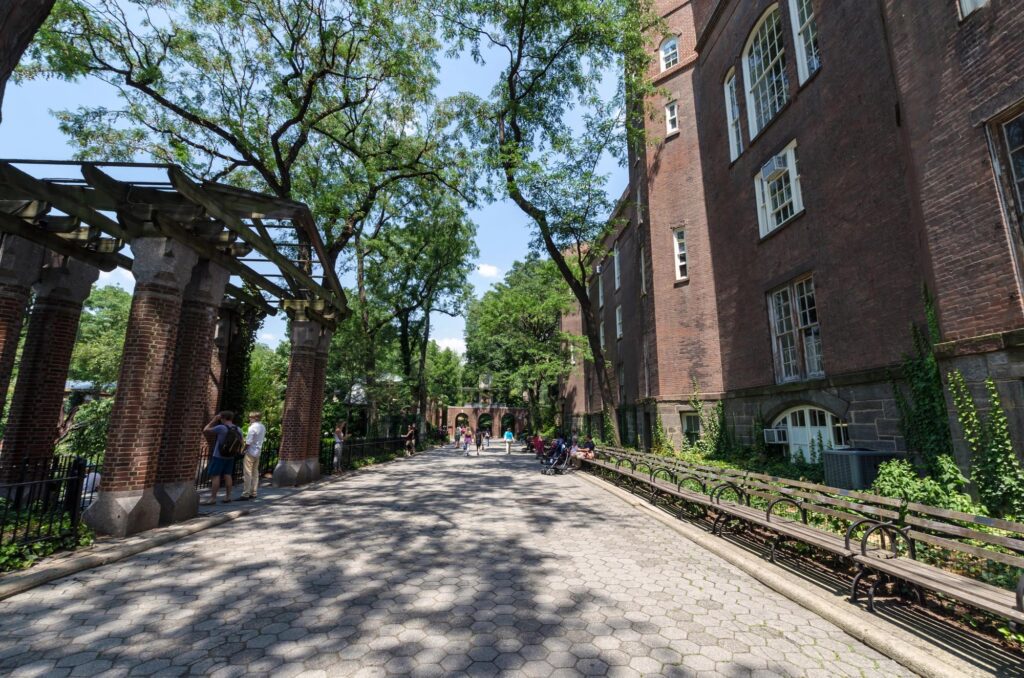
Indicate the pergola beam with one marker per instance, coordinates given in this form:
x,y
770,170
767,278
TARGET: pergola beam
x,y
102,260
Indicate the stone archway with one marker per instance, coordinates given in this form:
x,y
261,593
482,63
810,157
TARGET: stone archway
x,y
485,423
508,422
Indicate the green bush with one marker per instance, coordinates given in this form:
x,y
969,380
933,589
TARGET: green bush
x,y
88,434
943,489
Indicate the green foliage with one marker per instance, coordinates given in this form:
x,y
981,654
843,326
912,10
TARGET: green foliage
x,y
235,392
444,375
924,419
87,436
268,376
995,470
97,355
18,556
944,488
660,444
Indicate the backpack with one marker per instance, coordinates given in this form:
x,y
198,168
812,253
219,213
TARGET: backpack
x,y
234,443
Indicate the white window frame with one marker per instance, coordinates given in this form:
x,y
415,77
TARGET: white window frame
x,y
776,64
679,248
618,275
618,322
804,31
669,52
969,6
643,271
771,216
796,332
732,115
672,117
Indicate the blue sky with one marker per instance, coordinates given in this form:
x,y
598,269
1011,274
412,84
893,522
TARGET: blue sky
x,y
29,130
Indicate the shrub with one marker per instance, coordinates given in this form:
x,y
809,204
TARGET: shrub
x,y
943,489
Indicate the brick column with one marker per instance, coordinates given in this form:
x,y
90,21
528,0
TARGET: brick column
x,y
219,359
43,370
126,503
20,264
316,402
299,463
188,403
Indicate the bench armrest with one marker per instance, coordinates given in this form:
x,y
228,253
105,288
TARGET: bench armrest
x,y
785,500
852,528
699,481
716,493
893,532
1020,593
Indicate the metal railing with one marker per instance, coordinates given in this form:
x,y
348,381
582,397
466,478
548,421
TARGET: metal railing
x,y
42,500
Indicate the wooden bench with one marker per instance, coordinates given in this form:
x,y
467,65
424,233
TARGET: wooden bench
x,y
925,529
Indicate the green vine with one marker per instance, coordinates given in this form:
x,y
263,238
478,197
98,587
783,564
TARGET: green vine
x,y
924,419
235,393
660,444
995,470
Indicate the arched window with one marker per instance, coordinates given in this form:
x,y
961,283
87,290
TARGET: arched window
x,y
801,428
669,53
764,71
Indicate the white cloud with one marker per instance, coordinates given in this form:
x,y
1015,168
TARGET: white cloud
x,y
457,344
268,338
487,270
118,278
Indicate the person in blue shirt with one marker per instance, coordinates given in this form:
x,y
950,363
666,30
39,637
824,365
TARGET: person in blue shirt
x,y
220,466
508,441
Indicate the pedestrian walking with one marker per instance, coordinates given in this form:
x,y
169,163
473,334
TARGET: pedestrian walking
x,y
508,441
487,439
466,440
479,441
254,438
410,440
227,442
339,444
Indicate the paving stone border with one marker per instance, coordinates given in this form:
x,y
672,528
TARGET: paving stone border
x,y
925,659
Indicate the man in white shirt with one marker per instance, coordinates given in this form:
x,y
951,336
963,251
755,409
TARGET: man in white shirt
x,y
253,444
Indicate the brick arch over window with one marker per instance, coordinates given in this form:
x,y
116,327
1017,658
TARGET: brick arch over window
x,y
772,408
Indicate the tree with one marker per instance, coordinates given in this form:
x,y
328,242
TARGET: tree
x,y
513,333
97,355
268,376
443,375
19,21
556,54
315,100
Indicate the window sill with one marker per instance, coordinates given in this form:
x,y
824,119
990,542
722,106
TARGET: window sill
x,y
781,227
671,135
681,282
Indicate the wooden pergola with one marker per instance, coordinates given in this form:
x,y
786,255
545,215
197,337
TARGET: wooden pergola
x,y
270,246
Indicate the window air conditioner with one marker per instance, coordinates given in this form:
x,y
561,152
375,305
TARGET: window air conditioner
x,y
776,436
597,269
774,168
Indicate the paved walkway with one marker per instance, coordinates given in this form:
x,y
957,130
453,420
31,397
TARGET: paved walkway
x,y
436,565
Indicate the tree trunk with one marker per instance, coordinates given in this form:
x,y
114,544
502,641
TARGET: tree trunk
x,y
422,386
370,362
19,21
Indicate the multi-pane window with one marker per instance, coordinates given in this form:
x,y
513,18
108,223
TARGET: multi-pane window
x,y
1013,132
618,322
764,71
796,335
679,238
615,260
777,187
672,117
732,116
968,6
805,35
669,53
691,428
600,332
643,271
621,378
600,291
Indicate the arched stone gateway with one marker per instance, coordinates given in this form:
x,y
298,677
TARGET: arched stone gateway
x,y
488,416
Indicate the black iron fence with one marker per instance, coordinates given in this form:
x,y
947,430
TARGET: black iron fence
x,y
43,500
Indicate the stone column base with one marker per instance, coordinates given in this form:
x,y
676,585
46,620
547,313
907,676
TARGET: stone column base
x,y
178,501
123,513
296,472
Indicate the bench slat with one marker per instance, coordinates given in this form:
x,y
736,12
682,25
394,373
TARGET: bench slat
x,y
953,545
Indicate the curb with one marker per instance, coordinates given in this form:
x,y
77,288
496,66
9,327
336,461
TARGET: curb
x,y
929,661
13,583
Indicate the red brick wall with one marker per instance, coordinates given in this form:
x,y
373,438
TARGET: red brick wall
x,y
298,397
42,372
137,420
858,235
953,76
187,402
13,300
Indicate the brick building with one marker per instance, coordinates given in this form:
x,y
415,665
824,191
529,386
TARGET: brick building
x,y
812,168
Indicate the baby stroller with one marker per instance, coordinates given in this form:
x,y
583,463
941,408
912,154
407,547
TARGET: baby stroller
x,y
557,463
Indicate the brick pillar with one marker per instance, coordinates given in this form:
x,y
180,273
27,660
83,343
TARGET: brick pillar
x,y
126,503
20,264
219,359
299,463
188,403
43,370
316,402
